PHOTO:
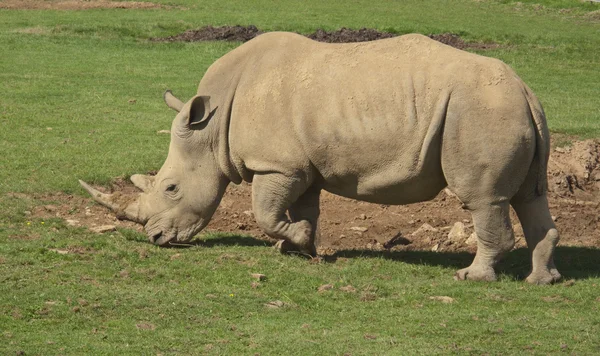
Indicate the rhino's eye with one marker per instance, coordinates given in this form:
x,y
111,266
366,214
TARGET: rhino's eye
x,y
171,187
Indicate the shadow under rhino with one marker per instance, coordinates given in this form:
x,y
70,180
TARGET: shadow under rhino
x,y
574,262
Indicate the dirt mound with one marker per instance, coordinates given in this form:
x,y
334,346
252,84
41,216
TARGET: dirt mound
x,y
574,171
76,5
438,225
343,35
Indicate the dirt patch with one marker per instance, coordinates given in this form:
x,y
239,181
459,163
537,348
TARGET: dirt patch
x,y
76,5
79,211
210,33
438,225
346,35
593,16
456,41
343,35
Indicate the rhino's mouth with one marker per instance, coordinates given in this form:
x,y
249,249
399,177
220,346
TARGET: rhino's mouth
x,y
160,239
170,237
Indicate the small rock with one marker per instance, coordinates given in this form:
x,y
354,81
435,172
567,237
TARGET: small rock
x,y
241,226
359,228
449,193
50,208
259,276
348,288
435,248
104,228
248,212
71,222
275,304
458,233
370,337
424,228
175,256
472,240
316,260
145,326
163,132
368,297
442,298
325,287
362,217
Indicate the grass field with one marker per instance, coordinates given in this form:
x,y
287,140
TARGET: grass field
x,y
82,99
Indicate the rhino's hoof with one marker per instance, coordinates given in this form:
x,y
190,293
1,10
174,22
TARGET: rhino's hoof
x,y
544,277
287,248
474,273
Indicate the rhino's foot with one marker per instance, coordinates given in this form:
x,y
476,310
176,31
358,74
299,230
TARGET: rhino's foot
x,y
286,247
476,273
544,277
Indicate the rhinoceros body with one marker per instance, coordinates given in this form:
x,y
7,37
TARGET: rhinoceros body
x,y
391,121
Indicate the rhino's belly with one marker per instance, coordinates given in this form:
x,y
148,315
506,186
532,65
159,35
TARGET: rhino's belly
x,y
391,185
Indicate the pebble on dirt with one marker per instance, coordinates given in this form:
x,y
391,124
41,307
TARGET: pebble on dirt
x,y
258,276
103,228
458,233
424,228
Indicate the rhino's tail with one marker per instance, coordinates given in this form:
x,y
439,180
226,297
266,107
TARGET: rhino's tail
x,y
542,139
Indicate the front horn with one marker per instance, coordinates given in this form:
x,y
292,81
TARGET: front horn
x,y
127,209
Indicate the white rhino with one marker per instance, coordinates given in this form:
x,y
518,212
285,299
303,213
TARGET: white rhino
x,y
392,121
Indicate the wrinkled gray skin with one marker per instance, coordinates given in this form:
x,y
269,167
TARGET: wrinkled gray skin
x,y
391,122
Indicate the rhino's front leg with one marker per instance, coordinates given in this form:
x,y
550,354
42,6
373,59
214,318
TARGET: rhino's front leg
x,y
272,195
307,208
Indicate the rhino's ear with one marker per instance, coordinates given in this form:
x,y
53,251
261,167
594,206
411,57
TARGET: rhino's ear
x,y
172,101
199,110
142,181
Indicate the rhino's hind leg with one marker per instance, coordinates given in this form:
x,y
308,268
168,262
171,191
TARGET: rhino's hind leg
x,y
272,195
495,238
541,236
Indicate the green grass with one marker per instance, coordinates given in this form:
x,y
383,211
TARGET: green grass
x,y
81,98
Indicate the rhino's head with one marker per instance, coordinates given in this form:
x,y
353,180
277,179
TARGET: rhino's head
x,y
180,200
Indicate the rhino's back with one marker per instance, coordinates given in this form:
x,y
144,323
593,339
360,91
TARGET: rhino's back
x,y
367,116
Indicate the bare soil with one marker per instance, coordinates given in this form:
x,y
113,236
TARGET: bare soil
x,y
343,35
574,196
75,4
